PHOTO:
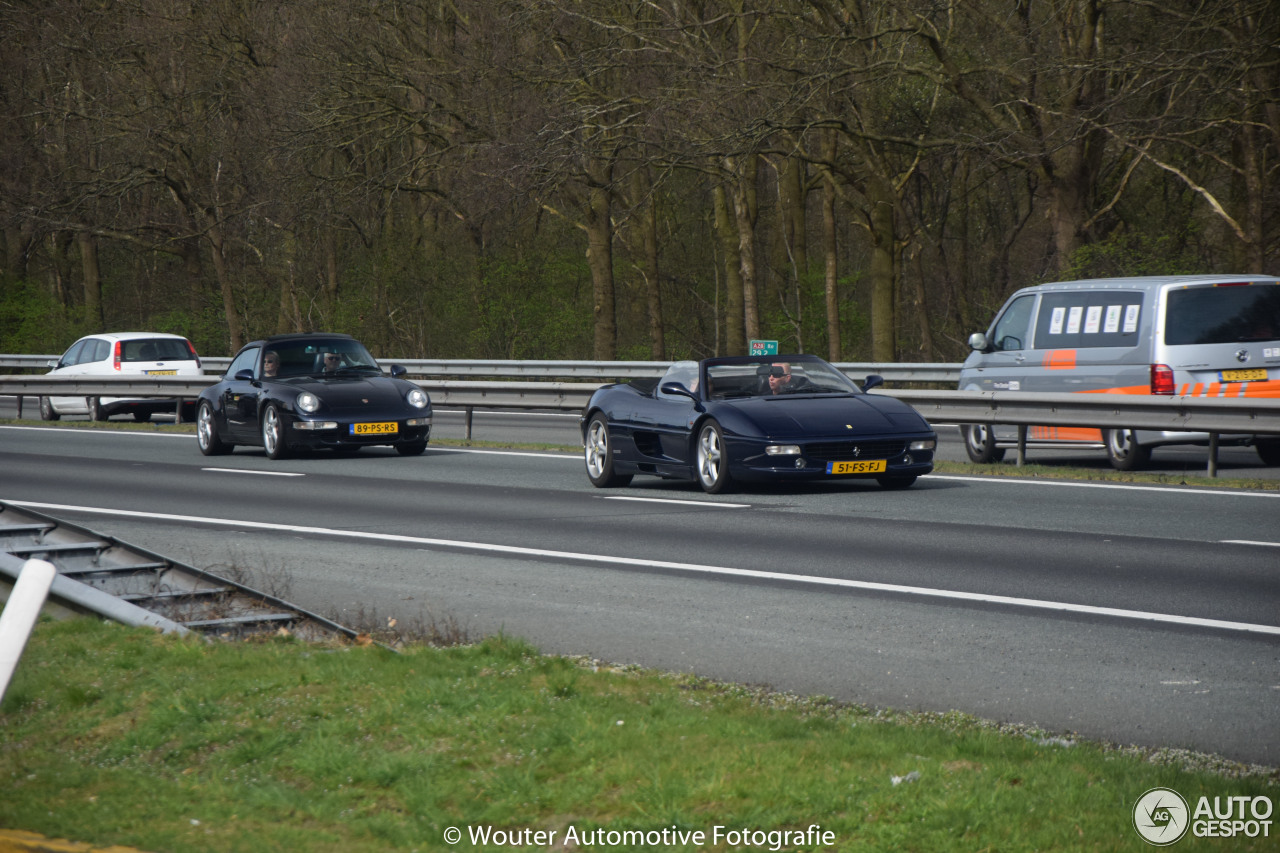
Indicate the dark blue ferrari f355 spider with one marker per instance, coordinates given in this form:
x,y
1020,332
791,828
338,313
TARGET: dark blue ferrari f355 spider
x,y
753,418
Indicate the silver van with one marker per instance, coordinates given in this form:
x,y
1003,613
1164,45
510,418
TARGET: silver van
x,y
1204,335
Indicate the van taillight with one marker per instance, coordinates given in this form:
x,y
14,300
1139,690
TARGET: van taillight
x,y
1161,379
115,362
192,348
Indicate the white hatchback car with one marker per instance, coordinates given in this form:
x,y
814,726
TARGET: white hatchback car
x,y
122,353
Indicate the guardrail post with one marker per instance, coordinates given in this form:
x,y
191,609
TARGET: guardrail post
x,y
19,615
177,412
1213,454
466,432
19,407
1022,445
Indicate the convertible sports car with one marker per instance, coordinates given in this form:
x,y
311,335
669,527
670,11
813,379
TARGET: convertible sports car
x,y
303,392
753,418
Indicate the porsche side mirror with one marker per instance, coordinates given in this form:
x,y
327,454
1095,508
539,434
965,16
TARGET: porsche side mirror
x,y
398,370
245,375
875,380
979,342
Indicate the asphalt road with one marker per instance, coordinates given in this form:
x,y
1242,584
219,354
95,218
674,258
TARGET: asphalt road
x,y
1132,614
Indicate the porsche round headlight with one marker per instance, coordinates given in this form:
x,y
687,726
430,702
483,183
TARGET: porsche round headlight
x,y
418,398
308,402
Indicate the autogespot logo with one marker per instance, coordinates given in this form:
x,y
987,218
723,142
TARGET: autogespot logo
x,y
1161,816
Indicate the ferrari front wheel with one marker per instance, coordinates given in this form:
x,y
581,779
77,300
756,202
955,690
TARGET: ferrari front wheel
x,y
598,453
712,461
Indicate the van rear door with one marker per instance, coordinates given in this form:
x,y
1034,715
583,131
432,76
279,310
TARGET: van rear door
x,y
1223,339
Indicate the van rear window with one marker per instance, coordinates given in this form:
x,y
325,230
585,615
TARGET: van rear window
x,y
1223,315
1091,318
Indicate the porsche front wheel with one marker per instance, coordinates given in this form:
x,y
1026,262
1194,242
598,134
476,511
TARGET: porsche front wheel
x,y
207,432
273,440
712,462
598,453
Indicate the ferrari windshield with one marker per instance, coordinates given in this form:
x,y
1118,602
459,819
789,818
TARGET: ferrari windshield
x,y
786,376
318,357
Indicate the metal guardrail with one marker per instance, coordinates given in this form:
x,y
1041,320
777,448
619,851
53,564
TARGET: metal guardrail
x,y
1212,415
602,371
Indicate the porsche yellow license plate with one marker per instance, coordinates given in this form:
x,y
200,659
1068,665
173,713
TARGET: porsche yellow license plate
x,y
1252,375
375,429
162,373
871,466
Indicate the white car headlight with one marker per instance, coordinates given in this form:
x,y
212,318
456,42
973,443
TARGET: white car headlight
x,y
308,402
418,398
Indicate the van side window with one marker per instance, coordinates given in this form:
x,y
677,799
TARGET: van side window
x,y
1010,332
1092,318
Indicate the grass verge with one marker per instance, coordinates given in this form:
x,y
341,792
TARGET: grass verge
x,y
112,735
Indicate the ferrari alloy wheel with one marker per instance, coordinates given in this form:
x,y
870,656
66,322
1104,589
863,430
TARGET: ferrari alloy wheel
x,y
207,433
94,406
980,443
1123,450
273,440
598,453
713,464
47,412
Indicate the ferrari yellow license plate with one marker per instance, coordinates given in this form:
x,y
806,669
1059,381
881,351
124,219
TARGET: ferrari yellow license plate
x,y
1252,375
871,466
375,429
162,373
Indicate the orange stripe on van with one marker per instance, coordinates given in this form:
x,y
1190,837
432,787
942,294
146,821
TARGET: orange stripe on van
x,y
1049,433
1266,390
1060,359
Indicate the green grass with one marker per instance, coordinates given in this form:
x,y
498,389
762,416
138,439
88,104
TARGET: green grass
x,y
110,735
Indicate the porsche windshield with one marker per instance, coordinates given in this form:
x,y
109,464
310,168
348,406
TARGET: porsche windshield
x,y
773,379
319,357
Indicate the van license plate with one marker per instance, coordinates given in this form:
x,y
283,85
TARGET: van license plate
x,y
375,429
1253,375
874,466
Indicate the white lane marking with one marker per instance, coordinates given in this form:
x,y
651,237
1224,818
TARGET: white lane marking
x,y
436,448
247,471
674,501
1188,490
100,431
1250,542
494,413
694,568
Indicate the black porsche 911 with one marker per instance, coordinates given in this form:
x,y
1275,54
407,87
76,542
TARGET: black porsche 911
x,y
753,418
311,391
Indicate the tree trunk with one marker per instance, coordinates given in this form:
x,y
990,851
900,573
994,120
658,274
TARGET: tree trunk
x,y
744,214
235,331
92,273
599,227
649,264
830,254
735,341
884,324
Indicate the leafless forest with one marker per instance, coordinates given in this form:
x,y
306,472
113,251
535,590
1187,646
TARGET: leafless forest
x,y
634,179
